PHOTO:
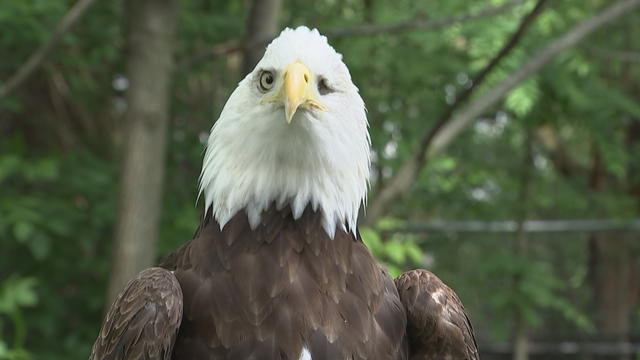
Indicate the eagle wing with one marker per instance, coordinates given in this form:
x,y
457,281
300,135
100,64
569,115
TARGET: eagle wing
x,y
143,321
437,326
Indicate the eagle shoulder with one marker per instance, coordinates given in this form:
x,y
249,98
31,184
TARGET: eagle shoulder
x,y
143,321
437,325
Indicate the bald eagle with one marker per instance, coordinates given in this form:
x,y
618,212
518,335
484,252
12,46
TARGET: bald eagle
x,y
277,268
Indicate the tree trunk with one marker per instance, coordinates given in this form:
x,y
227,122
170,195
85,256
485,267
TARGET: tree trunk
x,y
633,175
610,265
521,327
612,290
520,339
149,65
261,27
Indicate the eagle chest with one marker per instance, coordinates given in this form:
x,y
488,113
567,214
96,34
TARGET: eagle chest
x,y
276,292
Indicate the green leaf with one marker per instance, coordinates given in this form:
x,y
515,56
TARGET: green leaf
x,y
23,230
395,251
9,164
17,292
522,99
4,350
414,253
371,238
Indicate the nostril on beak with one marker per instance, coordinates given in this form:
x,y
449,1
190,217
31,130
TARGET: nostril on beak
x,y
306,78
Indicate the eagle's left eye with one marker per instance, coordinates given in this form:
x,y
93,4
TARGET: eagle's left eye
x,y
323,87
266,80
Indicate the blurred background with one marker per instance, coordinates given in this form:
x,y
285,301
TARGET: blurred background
x,y
506,148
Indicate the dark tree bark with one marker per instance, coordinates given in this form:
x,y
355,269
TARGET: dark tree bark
x,y
261,26
609,268
614,258
521,327
612,280
149,66
632,88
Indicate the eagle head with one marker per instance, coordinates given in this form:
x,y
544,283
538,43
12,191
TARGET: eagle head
x,y
293,133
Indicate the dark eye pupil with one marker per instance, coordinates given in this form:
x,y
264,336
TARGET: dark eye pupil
x,y
266,80
323,88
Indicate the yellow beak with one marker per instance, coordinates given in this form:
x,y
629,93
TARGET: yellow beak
x,y
297,90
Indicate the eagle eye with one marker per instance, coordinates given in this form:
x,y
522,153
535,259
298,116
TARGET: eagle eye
x,y
323,87
266,80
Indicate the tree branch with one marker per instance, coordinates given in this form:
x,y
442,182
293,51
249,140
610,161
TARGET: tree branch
x,y
512,226
233,46
619,55
403,179
419,24
460,120
569,39
37,58
221,49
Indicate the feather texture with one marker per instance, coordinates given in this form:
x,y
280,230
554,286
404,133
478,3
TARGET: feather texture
x,y
143,321
285,286
284,290
437,326
255,158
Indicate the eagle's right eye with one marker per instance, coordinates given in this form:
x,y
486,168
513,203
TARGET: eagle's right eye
x,y
266,80
323,87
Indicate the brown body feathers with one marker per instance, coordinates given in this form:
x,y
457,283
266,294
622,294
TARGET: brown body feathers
x,y
284,290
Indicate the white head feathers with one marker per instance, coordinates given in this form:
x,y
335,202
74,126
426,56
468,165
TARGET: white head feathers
x,y
255,158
